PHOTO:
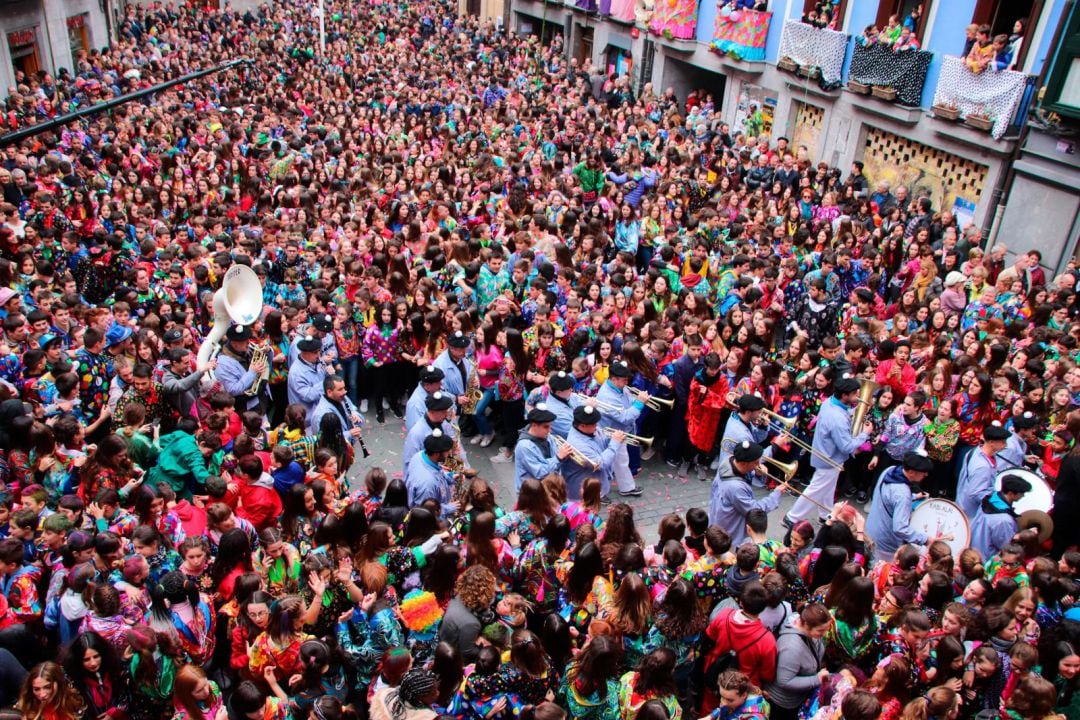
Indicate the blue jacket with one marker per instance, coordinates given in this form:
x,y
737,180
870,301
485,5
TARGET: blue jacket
x,y
426,480
234,378
453,383
286,477
732,498
735,432
832,435
993,526
975,481
305,384
889,521
416,407
414,441
684,369
629,409
534,459
597,447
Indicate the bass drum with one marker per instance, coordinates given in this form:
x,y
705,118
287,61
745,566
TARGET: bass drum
x,y
937,517
1041,496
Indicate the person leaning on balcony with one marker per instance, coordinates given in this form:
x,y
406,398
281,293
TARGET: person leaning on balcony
x,y
982,52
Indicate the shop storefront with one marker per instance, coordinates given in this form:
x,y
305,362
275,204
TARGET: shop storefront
x,y
25,55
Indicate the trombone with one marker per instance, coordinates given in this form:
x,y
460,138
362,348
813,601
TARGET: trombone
x,y
653,403
576,455
787,471
630,439
783,425
603,407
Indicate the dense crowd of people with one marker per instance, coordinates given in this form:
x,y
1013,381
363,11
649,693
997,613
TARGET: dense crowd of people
x,y
520,255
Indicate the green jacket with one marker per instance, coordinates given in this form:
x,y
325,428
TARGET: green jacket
x,y
179,462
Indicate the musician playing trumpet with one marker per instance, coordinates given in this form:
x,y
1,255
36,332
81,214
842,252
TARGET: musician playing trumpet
x,y
598,449
536,454
745,425
627,410
732,495
559,398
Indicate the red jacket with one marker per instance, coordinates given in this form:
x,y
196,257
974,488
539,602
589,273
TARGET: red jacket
x,y
754,645
259,503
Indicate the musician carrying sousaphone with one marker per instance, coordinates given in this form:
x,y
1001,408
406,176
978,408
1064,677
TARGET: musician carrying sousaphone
x,y
238,373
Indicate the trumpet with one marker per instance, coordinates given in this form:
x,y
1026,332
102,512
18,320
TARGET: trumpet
x,y
653,403
631,439
603,407
772,418
788,471
784,425
576,455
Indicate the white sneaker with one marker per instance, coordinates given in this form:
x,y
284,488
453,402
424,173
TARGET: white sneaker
x,y
647,455
702,474
385,404
363,406
487,440
715,463
476,439
684,469
502,458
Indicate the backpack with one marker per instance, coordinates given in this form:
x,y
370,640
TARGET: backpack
x,y
728,660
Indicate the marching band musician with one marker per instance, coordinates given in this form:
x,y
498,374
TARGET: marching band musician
x,y
889,521
237,373
744,426
994,526
732,496
597,447
431,380
613,393
561,403
426,477
456,367
976,477
536,455
321,328
306,374
1021,445
436,418
335,399
833,445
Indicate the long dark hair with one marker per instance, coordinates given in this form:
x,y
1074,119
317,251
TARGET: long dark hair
x,y
655,674
480,542
332,437
855,601
234,549
72,659
597,663
515,348
587,566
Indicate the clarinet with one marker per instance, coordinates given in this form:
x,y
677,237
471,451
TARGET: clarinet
x,y
359,440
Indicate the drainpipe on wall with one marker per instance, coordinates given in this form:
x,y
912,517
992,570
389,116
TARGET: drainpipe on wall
x,y
1004,186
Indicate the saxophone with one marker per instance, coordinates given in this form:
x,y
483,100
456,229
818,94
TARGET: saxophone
x,y
473,393
266,354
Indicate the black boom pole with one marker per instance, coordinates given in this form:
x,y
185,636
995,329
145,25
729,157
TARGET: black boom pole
x,y
19,135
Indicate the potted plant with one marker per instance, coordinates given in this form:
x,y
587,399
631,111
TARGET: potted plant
x,y
946,110
887,92
980,120
857,87
787,64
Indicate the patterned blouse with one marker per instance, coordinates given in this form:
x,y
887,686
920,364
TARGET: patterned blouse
x,y
380,345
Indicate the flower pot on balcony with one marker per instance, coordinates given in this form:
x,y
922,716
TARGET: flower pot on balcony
x,y
885,93
979,122
857,87
946,112
787,64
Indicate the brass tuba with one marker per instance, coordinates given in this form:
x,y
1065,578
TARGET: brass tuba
x,y
867,388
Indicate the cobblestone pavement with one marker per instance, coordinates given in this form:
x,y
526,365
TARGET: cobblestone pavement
x,y
665,492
